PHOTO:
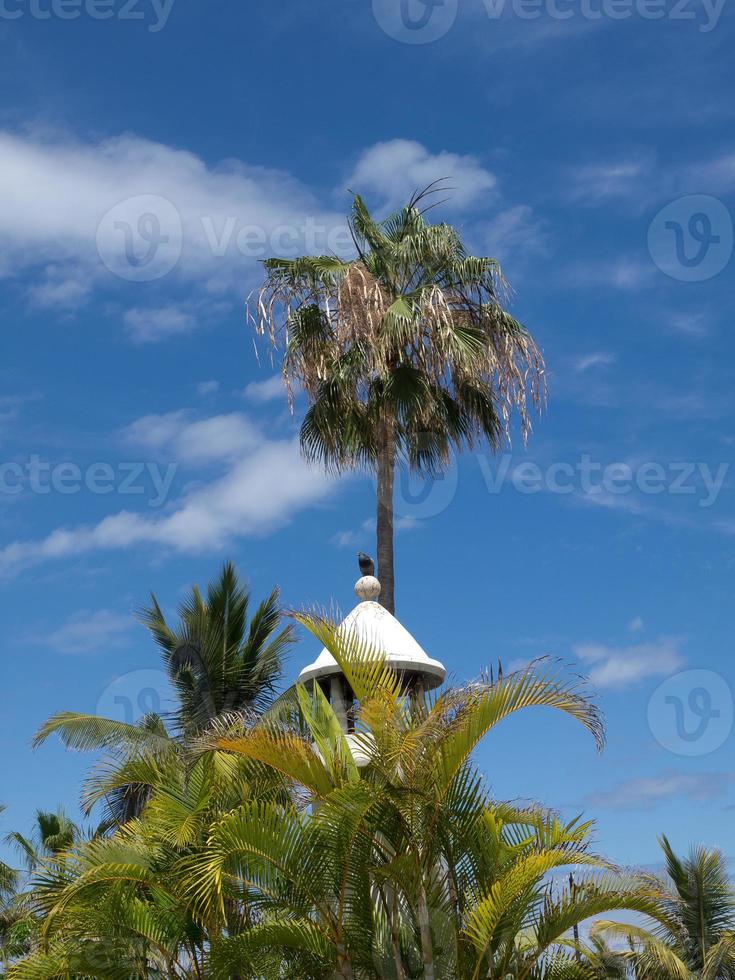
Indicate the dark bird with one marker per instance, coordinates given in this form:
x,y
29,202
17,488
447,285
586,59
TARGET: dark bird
x,y
367,565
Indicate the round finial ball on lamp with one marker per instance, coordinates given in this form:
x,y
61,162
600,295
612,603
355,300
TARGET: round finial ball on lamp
x,y
367,588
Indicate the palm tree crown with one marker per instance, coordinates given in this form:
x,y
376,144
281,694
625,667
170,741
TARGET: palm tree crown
x,y
404,352
219,660
695,913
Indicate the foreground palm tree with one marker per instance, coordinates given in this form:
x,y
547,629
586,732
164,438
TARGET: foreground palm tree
x,y
218,660
405,868
695,936
264,852
404,352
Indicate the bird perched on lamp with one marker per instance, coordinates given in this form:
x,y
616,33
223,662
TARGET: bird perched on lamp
x,y
367,565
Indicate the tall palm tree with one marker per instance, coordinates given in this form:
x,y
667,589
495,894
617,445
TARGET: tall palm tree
x,y
218,658
404,352
695,934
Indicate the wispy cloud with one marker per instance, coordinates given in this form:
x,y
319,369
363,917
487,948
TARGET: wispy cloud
x,y
713,176
393,170
205,225
86,632
148,325
623,273
619,667
695,324
358,537
262,484
514,235
268,390
597,359
646,792
599,183
188,440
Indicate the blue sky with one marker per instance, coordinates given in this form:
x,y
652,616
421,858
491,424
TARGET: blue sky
x,y
590,148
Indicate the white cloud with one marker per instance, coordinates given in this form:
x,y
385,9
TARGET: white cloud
x,y
58,221
205,388
358,537
620,273
598,359
87,632
393,170
10,406
647,791
148,325
269,390
60,289
601,182
694,325
264,484
88,218
153,432
515,233
261,492
639,180
220,437
713,176
617,667
636,624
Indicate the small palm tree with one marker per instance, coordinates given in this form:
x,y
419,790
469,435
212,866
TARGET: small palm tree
x,y
218,660
53,832
404,352
695,932
44,848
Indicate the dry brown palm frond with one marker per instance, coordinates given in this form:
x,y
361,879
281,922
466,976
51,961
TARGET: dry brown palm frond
x,y
361,303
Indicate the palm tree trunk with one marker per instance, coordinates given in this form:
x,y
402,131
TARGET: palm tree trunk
x,y
386,466
344,966
394,938
427,948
